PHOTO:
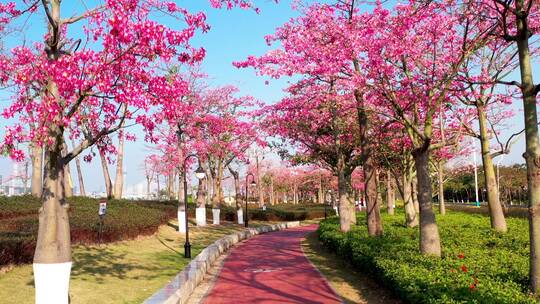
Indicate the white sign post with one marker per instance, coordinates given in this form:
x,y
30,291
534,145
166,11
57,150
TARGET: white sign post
x,y
102,211
102,208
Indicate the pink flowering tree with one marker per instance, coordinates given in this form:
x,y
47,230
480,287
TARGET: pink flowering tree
x,y
224,130
415,87
516,24
488,103
323,44
319,123
90,85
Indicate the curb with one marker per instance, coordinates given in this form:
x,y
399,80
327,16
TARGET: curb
x,y
181,287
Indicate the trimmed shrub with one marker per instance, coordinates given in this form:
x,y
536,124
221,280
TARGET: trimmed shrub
x,y
509,211
124,220
273,213
478,265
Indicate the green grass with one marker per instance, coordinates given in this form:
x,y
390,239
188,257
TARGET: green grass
x,y
472,252
122,272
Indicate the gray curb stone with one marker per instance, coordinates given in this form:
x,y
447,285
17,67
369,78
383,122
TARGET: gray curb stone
x,y
181,287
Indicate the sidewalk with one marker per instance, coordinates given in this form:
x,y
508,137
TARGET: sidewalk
x,y
271,268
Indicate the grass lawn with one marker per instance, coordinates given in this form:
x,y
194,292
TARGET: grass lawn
x,y
122,272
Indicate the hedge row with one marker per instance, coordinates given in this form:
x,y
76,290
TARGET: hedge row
x,y
278,213
124,220
477,264
513,211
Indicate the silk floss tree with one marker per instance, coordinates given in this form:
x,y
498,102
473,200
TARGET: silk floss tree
x,y
316,119
412,73
322,43
517,22
224,130
85,78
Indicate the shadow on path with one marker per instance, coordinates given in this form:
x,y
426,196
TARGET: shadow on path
x,y
271,268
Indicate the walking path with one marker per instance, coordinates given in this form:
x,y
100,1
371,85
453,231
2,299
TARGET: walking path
x,y
271,268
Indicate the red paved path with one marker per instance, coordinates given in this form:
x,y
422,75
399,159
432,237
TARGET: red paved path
x,y
271,268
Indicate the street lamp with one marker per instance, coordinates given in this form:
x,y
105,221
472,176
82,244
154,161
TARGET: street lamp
x,y
200,174
253,184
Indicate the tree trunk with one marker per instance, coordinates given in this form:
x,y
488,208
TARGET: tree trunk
x,y
68,181
532,150
53,242
158,187
201,193
414,187
344,202
181,190
374,223
411,217
37,170
170,186
236,177
320,191
119,180
390,193
272,196
440,184
217,198
105,167
430,243
496,213
52,256
295,194
82,191
259,184
148,182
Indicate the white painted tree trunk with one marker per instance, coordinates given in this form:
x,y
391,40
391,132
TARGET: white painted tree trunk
x,y
52,282
240,214
215,215
181,221
200,216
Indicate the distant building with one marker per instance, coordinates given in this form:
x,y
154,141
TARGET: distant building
x,y
15,183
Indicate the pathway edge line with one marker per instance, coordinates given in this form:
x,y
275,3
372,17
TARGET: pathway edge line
x,y
179,289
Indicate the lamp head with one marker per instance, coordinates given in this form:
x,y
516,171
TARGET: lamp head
x,y
200,173
253,184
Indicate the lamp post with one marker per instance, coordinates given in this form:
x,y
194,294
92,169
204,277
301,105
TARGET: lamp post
x,y
253,183
200,174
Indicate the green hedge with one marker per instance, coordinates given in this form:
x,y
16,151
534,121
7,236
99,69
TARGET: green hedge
x,y
477,265
514,211
124,220
276,213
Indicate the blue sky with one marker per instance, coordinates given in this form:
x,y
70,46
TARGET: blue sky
x,y
233,36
